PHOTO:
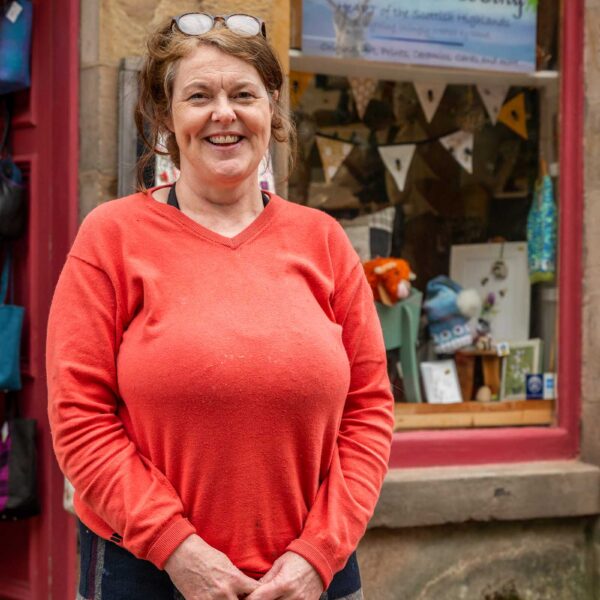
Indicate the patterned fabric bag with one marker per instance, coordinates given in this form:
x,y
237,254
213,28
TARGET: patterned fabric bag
x,y
13,208
15,44
11,325
18,463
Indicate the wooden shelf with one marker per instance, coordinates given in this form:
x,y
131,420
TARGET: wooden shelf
x,y
330,65
473,414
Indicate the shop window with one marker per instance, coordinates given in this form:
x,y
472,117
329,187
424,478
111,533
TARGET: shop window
x,y
457,173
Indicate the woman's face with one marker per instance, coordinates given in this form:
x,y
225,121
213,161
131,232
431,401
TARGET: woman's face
x,y
221,117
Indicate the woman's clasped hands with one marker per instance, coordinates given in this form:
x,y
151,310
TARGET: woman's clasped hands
x,y
201,572
290,578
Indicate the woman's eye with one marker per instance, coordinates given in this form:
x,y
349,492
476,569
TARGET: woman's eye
x,y
198,96
245,95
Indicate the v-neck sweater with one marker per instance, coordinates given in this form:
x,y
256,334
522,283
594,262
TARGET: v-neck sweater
x,y
235,388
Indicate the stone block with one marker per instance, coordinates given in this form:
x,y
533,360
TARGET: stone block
x,y
90,33
99,118
591,222
592,52
590,433
591,343
126,24
533,561
521,491
94,189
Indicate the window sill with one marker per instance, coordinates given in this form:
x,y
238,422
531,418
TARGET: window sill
x,y
519,491
473,414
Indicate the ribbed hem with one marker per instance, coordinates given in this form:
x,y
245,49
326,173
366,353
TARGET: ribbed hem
x,y
315,558
168,541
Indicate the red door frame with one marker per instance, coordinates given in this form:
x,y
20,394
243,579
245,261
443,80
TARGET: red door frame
x,y
486,446
38,556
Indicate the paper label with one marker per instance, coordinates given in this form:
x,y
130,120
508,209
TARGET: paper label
x,y
4,431
13,13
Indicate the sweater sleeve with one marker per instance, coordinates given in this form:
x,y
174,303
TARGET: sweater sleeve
x,y
347,496
110,476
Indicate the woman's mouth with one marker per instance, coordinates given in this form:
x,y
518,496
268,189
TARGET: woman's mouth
x,y
224,140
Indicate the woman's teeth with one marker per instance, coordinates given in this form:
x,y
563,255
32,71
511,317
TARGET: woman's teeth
x,y
224,139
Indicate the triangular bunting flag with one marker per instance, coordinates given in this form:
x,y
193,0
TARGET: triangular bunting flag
x,y
430,95
512,115
397,159
493,97
298,84
333,153
460,145
363,90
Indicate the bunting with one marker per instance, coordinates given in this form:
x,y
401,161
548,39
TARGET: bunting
x,y
333,153
430,95
493,97
320,99
397,160
363,90
460,145
298,84
513,115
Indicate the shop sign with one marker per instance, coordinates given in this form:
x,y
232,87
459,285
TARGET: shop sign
x,y
497,35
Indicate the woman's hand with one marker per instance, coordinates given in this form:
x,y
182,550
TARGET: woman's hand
x,y
290,578
201,572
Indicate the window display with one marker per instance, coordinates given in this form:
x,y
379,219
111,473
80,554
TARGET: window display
x,y
447,177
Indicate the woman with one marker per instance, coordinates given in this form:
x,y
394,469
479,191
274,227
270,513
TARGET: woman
x,y
217,381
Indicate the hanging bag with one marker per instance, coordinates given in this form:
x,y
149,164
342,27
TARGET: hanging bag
x,y
11,325
15,44
13,209
18,464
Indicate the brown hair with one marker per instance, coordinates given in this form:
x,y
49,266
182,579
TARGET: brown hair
x,y
165,48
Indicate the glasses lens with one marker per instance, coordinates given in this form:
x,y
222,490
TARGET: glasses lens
x,y
245,25
194,23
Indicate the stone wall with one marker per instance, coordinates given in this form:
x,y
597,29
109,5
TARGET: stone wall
x,y
114,29
591,224
536,560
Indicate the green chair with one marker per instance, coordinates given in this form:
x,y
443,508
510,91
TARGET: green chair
x,y
400,325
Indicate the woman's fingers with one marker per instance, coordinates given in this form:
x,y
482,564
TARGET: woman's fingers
x,y
274,590
272,572
247,586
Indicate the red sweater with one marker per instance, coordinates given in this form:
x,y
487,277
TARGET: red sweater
x,y
231,387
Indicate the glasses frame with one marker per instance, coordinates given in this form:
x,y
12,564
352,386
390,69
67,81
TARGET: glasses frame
x,y
221,18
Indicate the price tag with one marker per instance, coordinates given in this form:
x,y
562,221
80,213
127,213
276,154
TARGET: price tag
x,y
14,12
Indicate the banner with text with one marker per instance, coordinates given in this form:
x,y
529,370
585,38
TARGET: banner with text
x,y
497,35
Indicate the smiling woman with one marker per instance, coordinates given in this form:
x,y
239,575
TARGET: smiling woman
x,y
218,390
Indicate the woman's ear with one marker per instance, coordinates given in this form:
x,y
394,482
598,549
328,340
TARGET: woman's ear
x,y
169,123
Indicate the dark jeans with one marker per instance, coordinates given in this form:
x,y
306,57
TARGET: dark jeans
x,y
109,572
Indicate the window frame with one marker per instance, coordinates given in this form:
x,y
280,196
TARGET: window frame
x,y
562,441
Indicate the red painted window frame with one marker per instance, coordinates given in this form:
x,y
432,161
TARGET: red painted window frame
x,y
481,446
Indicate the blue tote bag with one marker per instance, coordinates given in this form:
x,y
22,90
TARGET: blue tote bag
x,y
11,325
15,43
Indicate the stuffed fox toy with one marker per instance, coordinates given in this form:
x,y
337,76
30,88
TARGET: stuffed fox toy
x,y
389,278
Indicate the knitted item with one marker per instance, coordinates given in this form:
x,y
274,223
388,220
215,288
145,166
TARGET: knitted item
x,y
449,309
541,233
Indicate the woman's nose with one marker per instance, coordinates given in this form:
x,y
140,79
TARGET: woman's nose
x,y
223,111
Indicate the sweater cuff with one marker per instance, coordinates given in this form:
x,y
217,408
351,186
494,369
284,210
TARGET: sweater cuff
x,y
167,542
314,557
